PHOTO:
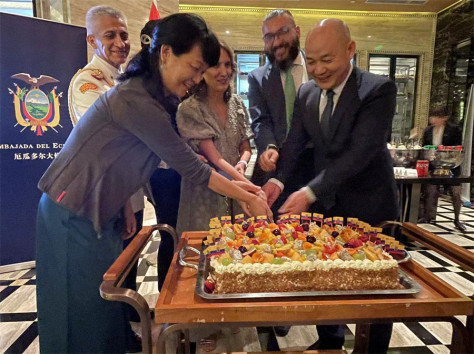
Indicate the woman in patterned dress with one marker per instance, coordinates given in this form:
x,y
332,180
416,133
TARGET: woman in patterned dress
x,y
215,123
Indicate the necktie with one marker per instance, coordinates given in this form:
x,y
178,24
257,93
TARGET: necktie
x,y
327,113
290,94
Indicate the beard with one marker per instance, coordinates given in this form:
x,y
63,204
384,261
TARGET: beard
x,y
293,50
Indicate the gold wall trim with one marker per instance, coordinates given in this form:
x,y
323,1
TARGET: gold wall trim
x,y
190,8
251,48
452,5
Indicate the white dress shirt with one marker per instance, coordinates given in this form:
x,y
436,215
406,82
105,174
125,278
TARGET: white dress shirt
x,y
438,135
337,93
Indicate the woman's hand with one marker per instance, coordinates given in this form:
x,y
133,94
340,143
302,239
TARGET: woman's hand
x,y
258,206
263,195
202,158
241,167
248,186
252,188
130,221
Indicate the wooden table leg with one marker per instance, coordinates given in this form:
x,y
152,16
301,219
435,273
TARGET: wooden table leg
x,y
362,335
470,332
461,339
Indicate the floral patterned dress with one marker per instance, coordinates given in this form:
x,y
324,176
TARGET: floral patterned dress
x,y
196,122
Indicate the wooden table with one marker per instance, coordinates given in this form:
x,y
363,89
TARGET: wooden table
x,y
183,309
410,192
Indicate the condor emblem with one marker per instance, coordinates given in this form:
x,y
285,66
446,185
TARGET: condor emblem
x,y
33,107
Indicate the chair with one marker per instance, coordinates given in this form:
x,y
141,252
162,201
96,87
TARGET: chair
x,y
111,287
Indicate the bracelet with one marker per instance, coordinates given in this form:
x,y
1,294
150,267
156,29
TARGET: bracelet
x,y
244,162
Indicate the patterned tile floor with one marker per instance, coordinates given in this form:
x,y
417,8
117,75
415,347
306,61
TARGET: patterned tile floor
x,y
19,331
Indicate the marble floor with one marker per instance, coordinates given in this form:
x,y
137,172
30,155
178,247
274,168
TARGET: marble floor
x,y
19,333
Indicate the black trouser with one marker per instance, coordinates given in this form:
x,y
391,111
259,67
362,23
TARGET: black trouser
x,y
431,195
130,281
166,188
305,172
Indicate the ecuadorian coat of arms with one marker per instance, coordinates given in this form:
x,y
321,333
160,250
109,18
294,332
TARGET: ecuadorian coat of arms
x,y
35,108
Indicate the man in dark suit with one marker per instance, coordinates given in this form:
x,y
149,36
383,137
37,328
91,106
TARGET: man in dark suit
x,y
441,132
347,114
272,90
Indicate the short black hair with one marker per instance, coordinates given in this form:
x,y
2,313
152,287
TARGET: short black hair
x,y
278,12
439,111
181,31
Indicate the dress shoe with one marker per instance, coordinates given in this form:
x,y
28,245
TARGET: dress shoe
x,y
423,220
281,331
326,345
134,343
459,226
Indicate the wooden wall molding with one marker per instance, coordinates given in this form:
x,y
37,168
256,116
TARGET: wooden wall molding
x,y
264,10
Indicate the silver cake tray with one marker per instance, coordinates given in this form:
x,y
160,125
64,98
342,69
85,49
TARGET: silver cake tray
x,y
408,284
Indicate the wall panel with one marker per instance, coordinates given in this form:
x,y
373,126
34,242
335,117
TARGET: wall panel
x,y
374,32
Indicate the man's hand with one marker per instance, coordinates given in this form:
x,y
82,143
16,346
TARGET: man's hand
x,y
130,221
268,160
295,204
272,191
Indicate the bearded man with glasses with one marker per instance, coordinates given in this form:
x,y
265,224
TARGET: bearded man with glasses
x,y
272,92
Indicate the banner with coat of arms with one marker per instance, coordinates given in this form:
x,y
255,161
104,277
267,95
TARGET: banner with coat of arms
x,y
35,108
38,58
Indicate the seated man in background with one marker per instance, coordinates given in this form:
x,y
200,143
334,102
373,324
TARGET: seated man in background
x,y
442,132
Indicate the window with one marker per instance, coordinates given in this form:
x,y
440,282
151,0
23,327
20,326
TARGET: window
x,y
18,7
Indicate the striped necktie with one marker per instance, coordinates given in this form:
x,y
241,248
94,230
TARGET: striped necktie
x,y
290,95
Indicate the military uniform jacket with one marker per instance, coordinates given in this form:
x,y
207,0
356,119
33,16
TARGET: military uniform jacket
x,y
95,79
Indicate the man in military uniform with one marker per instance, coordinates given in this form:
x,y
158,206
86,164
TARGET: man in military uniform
x,y
107,34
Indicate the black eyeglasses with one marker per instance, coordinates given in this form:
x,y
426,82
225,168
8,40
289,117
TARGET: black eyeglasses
x,y
270,37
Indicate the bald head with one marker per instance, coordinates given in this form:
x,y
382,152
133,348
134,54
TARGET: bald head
x,y
334,27
329,50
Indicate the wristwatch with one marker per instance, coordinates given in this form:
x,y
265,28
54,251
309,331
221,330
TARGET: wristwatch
x,y
272,146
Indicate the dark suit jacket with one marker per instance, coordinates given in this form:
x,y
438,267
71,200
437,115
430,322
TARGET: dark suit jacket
x,y
353,169
267,107
452,135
